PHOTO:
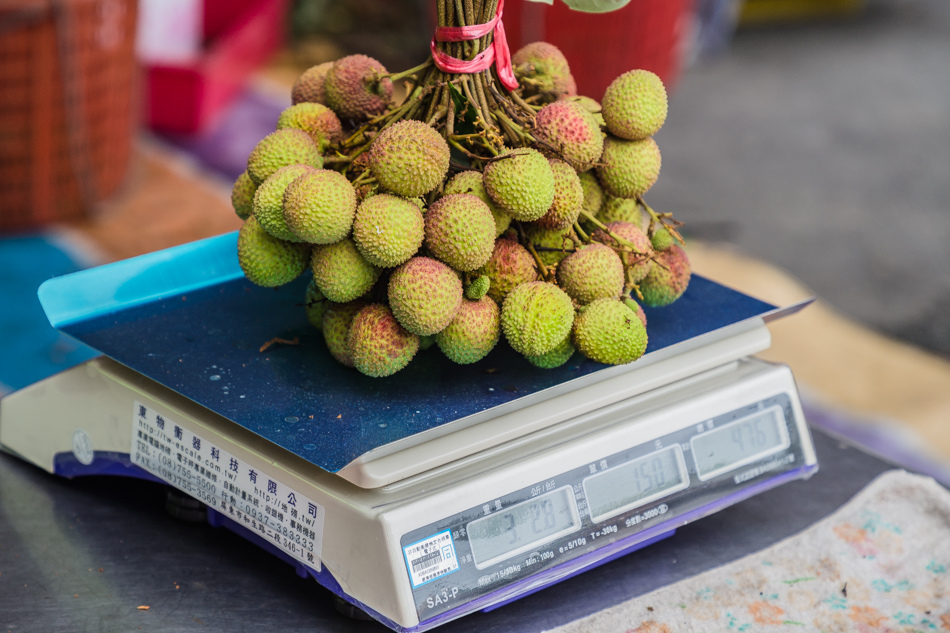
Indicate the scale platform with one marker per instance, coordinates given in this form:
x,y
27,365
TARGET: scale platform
x,y
421,497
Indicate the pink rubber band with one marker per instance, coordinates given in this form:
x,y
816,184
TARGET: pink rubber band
x,y
499,53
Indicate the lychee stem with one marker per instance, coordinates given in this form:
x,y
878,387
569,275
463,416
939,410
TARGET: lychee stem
x,y
659,218
394,77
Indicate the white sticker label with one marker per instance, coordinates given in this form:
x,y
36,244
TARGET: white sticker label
x,y
431,558
250,497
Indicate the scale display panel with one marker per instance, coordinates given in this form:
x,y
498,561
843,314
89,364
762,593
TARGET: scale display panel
x,y
504,540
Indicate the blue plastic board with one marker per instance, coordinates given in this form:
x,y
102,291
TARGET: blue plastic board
x,y
191,324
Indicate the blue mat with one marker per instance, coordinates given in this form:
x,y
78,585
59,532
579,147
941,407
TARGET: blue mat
x,y
30,349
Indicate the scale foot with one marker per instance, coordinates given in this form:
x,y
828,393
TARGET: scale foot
x,y
351,611
184,507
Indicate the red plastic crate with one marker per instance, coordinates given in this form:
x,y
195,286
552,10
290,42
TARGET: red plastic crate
x,y
241,35
646,34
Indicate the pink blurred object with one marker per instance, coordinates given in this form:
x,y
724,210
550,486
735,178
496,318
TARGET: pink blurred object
x,y
240,36
648,34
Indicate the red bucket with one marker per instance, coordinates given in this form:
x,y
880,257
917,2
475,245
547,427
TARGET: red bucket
x,y
647,34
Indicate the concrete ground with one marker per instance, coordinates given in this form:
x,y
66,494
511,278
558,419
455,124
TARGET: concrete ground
x,y
824,149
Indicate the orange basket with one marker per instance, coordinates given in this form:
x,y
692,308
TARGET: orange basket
x,y
67,84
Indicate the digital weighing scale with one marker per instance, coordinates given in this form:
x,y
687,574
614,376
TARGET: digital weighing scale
x,y
421,497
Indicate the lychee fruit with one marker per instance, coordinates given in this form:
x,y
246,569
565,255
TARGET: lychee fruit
x,y
336,329
242,196
409,158
317,120
282,149
319,206
425,295
472,333
388,229
266,260
520,181
471,182
542,69
460,231
555,357
609,332
269,201
629,168
635,105
622,210
510,265
341,273
572,132
637,264
356,87
309,85
315,305
535,317
478,288
668,279
552,245
568,196
379,346
592,272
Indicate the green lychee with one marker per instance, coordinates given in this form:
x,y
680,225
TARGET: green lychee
x,y
471,182
622,210
317,120
282,149
242,196
510,265
460,231
536,317
635,105
520,181
336,329
379,346
594,195
556,357
590,273
629,168
356,87
319,206
592,106
341,273
425,295
552,245
472,333
568,196
478,288
388,229
266,260
571,131
309,86
269,201
409,158
609,332
662,239
668,279
636,263
637,308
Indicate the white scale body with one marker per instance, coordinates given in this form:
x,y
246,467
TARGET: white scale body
x,y
422,532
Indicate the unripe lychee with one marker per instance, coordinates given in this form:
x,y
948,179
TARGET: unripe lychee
x,y
555,357
379,346
568,196
269,201
388,229
425,295
266,260
281,149
637,263
542,69
471,182
552,245
309,85
460,231
592,272
594,195
622,210
572,132
472,333
536,317
662,239
341,273
478,288
520,181
336,329
319,206
409,158
668,279
242,196
609,332
315,305
635,105
356,88
317,120
510,265
629,168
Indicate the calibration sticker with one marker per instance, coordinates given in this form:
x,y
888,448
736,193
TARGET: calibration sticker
x,y
431,558
248,496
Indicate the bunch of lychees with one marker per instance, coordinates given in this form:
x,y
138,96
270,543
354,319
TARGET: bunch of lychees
x,y
466,211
